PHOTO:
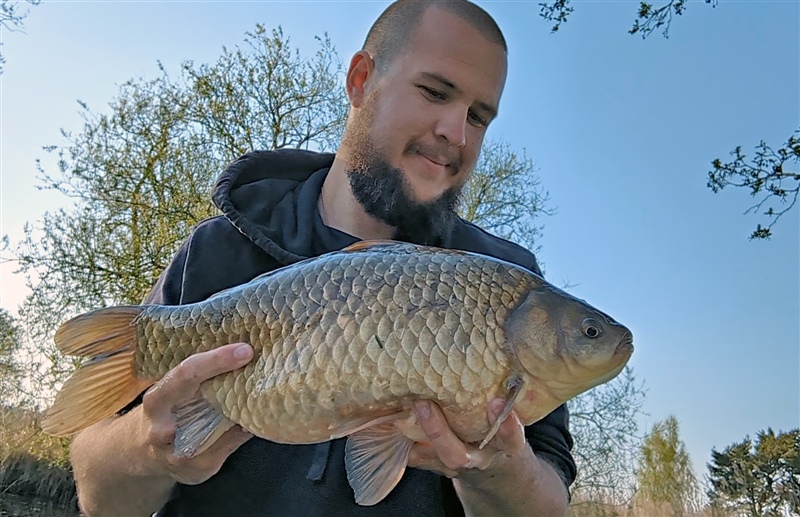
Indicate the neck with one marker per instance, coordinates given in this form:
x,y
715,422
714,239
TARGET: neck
x,y
341,210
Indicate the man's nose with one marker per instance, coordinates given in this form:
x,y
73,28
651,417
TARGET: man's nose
x,y
452,126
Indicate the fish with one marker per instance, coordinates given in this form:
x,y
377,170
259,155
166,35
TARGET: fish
x,y
344,343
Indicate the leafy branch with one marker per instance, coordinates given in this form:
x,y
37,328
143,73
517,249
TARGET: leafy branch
x,y
767,178
648,18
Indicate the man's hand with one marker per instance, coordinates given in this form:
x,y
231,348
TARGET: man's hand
x,y
158,422
505,478
449,456
125,465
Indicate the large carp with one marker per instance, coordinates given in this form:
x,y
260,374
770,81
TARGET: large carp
x,y
344,343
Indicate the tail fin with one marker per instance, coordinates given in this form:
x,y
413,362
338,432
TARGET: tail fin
x,y
105,383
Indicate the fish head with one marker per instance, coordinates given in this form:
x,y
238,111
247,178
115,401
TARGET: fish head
x,y
565,343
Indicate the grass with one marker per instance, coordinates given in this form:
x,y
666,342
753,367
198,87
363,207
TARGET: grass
x,y
33,465
637,508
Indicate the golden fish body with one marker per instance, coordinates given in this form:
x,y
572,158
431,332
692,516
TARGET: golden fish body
x,y
345,342
351,336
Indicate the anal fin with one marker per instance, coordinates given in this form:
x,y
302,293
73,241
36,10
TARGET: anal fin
x,y
375,459
198,425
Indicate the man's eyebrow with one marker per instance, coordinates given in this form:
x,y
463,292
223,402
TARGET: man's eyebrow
x,y
445,82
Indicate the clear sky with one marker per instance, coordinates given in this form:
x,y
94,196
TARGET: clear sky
x,y
622,131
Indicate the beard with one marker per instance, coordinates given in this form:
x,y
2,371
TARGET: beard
x,y
385,194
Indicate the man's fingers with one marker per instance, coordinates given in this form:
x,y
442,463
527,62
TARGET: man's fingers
x,y
200,367
183,381
423,456
451,451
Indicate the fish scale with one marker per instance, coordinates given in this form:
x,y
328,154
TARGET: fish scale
x,y
403,315
343,344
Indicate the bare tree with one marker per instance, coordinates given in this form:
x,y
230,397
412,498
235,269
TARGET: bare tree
x,y
11,18
504,196
604,424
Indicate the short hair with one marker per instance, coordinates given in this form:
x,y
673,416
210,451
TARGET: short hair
x,y
392,30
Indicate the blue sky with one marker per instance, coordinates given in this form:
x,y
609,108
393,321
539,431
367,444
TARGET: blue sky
x,y
622,131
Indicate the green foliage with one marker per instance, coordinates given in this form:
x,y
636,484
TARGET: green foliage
x,y
758,479
765,176
665,476
603,424
11,371
141,175
268,96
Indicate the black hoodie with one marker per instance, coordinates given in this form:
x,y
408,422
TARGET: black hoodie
x,y
270,219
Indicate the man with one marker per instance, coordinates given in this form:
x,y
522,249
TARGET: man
x,y
422,93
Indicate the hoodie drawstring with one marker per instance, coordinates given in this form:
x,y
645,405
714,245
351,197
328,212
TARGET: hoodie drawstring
x,y
320,462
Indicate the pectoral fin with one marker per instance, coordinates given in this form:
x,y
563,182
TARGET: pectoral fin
x,y
513,390
375,459
198,425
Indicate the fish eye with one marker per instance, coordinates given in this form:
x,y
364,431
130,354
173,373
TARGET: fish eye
x,y
591,328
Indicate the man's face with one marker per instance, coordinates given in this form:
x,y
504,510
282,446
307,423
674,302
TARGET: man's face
x,y
417,135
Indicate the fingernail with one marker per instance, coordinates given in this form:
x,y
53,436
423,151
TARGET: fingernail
x,y
497,406
242,352
423,410
472,462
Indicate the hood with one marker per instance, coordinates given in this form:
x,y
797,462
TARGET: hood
x,y
271,197
265,195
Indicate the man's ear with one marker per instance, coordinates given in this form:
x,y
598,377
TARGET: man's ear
x,y
362,69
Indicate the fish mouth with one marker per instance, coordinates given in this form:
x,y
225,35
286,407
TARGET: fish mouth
x,y
625,346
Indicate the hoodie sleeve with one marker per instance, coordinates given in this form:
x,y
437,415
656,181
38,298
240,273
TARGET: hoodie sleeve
x,y
552,442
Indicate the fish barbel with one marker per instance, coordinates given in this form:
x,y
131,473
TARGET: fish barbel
x,y
343,344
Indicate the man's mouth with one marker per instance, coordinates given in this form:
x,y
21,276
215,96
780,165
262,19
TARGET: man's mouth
x,y
438,157
438,161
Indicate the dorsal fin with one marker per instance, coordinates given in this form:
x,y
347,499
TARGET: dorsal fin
x,y
369,244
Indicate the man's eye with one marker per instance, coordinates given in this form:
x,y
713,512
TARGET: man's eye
x,y
434,94
476,120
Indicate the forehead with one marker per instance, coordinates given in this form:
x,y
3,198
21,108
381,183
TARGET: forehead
x,y
447,45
